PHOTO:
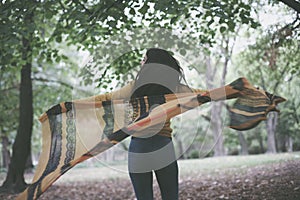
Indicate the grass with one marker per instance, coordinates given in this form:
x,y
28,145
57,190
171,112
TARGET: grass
x,y
210,165
187,167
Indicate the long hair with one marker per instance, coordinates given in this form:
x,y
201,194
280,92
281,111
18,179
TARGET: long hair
x,y
159,75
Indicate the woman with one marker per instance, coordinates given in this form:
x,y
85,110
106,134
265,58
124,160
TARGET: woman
x,y
145,152
153,149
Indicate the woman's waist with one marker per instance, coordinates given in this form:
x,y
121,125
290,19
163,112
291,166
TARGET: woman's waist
x,y
162,130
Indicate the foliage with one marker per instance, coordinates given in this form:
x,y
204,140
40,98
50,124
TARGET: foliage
x,y
180,26
289,124
54,22
9,99
273,63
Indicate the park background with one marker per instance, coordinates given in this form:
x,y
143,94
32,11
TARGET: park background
x,y
54,51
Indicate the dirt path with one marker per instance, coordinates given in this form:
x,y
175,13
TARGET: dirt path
x,y
279,181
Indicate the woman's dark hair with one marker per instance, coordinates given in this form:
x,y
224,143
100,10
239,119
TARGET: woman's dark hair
x,y
159,75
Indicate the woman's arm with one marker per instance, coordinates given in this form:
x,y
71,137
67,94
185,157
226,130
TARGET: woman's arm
x,y
122,93
186,89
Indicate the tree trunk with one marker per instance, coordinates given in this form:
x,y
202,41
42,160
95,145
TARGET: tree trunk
x,y
110,155
260,141
5,152
289,144
181,153
271,128
216,128
15,181
15,178
216,120
281,143
29,165
243,143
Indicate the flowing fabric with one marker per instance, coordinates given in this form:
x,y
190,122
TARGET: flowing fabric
x,y
76,131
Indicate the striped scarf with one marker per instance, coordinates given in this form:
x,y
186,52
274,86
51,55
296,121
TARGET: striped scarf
x,y
76,131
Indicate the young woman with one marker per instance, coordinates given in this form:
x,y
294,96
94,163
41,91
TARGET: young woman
x,y
160,74
153,150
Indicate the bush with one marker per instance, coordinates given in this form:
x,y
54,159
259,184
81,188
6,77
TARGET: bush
x,y
255,150
193,154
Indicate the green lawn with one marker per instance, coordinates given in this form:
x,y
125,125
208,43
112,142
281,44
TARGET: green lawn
x,y
210,165
189,167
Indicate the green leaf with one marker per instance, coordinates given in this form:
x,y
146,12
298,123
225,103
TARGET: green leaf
x,y
222,29
112,23
48,15
231,25
182,52
58,59
132,11
254,25
293,71
58,39
174,19
143,10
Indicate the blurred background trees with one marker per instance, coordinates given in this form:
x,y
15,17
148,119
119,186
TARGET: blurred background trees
x,y
52,51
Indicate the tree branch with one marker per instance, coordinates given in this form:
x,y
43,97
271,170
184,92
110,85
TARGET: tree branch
x,y
282,73
85,8
59,82
294,113
53,81
262,78
207,118
14,87
292,4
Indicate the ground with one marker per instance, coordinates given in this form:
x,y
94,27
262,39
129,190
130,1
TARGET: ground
x,y
251,177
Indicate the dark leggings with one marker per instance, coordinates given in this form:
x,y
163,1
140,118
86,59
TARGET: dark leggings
x,y
153,154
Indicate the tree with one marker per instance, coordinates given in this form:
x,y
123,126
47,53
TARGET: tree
x,y
292,4
271,61
15,177
243,142
289,118
9,84
216,65
25,40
